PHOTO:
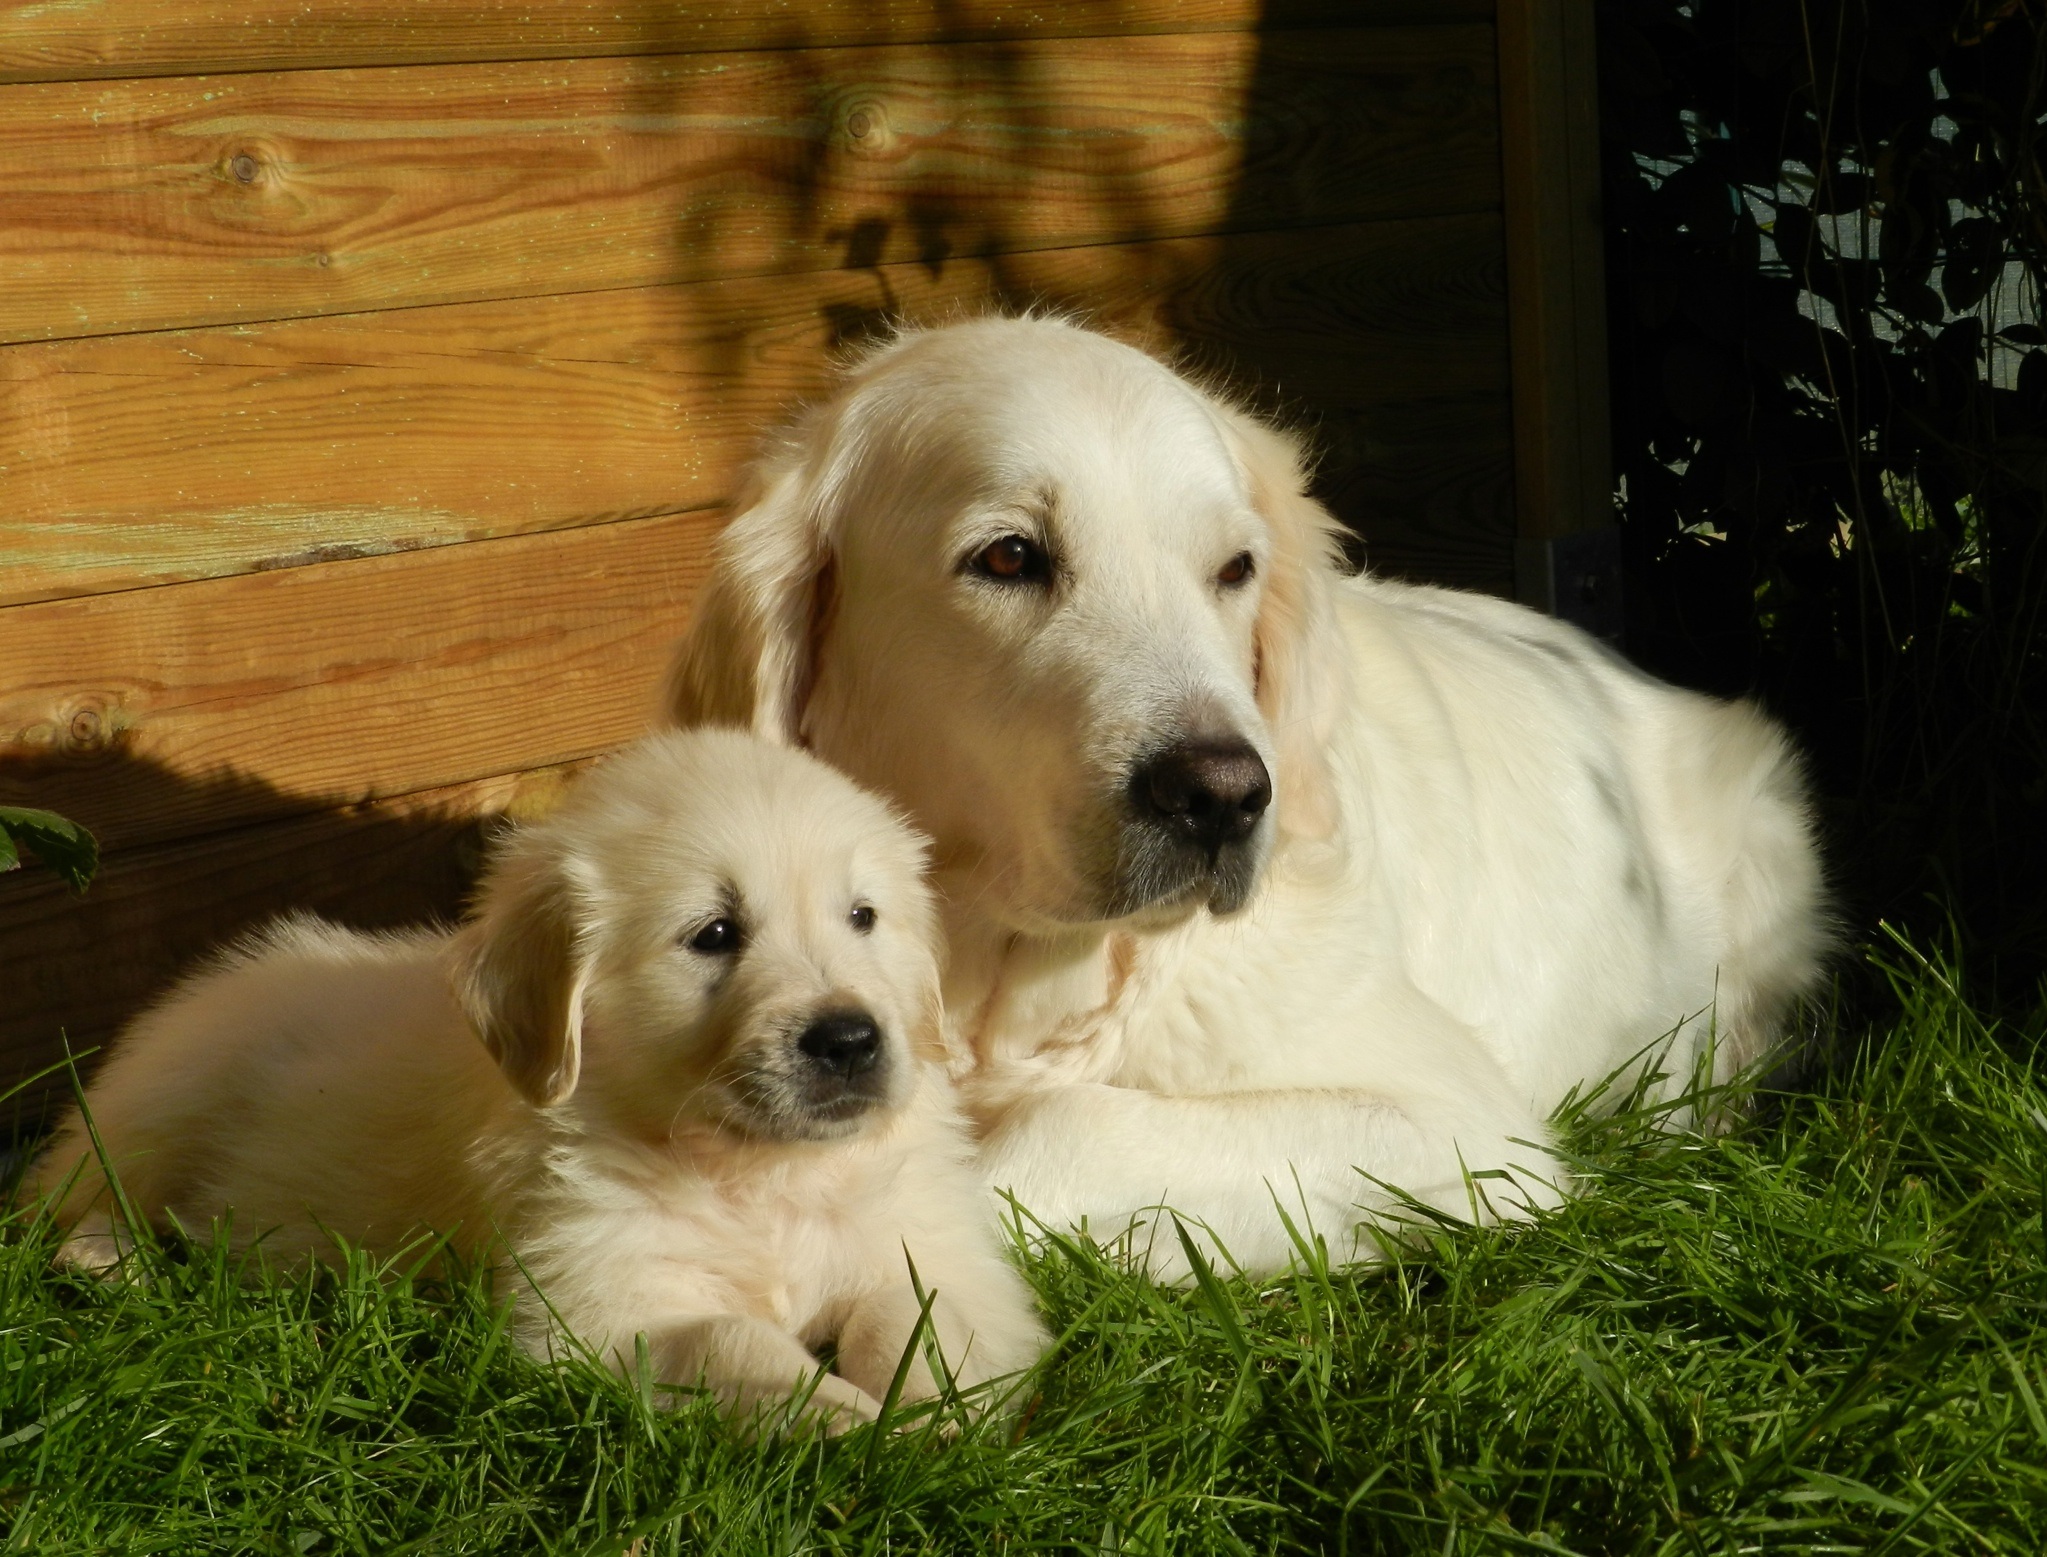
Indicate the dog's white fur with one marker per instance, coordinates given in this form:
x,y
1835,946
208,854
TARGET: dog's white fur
x,y
627,1129
1500,863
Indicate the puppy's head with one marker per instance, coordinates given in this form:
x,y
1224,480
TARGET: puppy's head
x,y
712,933
1065,607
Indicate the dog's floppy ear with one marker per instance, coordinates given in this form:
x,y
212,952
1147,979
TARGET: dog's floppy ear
x,y
1301,663
752,647
520,969
927,1027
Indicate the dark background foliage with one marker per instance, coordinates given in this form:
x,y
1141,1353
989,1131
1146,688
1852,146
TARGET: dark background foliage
x,y
1827,231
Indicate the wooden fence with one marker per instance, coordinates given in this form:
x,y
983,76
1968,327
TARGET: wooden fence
x,y
373,373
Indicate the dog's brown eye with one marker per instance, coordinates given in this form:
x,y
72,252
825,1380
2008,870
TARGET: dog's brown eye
x,y
862,918
717,938
1015,559
1236,570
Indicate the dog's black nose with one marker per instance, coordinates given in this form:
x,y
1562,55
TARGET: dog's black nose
x,y
845,1043
1210,792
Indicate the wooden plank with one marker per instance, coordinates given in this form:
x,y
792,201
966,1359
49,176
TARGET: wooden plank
x,y
77,968
84,39
140,460
138,205
160,714
1556,267
1388,347
1441,509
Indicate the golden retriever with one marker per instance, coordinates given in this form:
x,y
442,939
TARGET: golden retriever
x,y
708,1103
1261,881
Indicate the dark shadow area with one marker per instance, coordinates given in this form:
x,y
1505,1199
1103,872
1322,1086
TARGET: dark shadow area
x,y
1384,341
1827,235
77,968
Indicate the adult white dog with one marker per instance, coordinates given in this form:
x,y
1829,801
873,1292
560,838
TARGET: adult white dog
x,y
1262,883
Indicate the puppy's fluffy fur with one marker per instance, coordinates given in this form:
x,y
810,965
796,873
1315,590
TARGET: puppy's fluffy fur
x,y
675,1119
1026,581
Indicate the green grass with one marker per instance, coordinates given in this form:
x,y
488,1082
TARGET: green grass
x,y
1822,1332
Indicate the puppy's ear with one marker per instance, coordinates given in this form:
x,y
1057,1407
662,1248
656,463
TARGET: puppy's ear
x,y
927,1028
1301,663
519,973
752,648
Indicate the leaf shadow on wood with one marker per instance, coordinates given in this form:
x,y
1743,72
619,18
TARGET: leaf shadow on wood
x,y
1398,99
1264,307
949,123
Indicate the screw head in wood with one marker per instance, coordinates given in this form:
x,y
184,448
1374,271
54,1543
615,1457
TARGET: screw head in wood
x,y
244,168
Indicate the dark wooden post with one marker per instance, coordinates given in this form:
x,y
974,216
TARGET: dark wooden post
x,y
1567,551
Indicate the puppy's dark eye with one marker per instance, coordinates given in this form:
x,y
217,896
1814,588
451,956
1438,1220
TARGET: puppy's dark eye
x,y
1236,570
1015,559
862,918
719,938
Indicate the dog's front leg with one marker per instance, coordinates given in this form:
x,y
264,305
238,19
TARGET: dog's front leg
x,y
1227,1163
880,1329
982,1325
757,1370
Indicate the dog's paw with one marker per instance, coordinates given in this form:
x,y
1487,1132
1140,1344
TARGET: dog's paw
x,y
95,1249
830,1406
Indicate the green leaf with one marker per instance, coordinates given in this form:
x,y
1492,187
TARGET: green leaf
x,y
58,842
1212,1293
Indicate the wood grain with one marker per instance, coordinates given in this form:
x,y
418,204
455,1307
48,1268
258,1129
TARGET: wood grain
x,y
77,968
139,205
160,714
84,39
1428,485
1549,105
146,459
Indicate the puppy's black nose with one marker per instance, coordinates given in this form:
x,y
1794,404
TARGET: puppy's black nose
x,y
1210,792
845,1043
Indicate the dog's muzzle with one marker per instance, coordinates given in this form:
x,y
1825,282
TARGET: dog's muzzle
x,y
1194,811
844,1067
819,1081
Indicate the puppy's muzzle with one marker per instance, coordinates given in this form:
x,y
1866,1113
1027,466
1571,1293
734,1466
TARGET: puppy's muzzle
x,y
844,1064
845,1044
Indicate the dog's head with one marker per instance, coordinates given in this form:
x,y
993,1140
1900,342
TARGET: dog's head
x,y
1066,608
713,932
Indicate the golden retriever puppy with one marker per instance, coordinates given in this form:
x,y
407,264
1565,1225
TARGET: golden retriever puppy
x,y
683,1066
1261,880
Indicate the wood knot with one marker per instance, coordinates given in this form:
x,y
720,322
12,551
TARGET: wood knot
x,y
81,728
867,128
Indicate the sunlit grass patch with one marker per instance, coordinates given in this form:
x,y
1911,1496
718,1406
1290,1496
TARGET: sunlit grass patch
x,y
1820,1332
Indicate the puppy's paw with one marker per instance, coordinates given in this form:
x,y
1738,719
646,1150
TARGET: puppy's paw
x,y
95,1249
831,1406
1516,1192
